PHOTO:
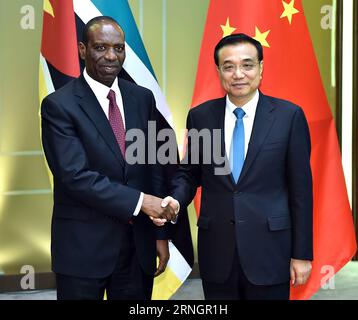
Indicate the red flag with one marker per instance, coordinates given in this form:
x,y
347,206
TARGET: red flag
x,y
290,72
59,39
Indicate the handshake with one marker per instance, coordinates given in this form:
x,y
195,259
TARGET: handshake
x,y
160,210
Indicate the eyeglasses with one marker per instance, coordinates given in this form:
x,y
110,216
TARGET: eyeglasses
x,y
230,68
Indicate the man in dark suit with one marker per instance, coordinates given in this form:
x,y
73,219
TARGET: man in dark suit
x,y
255,224
102,235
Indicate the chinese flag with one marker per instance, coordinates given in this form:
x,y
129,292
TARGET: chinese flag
x,y
290,72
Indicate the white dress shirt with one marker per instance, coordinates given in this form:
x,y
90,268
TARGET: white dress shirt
x,y
101,91
248,121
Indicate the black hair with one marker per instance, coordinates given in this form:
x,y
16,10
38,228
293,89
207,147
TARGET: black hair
x,y
233,39
93,21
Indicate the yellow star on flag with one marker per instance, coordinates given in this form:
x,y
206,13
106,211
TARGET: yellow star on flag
x,y
227,30
289,11
261,37
48,8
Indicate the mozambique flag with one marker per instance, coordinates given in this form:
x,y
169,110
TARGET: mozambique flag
x,y
59,55
290,72
63,22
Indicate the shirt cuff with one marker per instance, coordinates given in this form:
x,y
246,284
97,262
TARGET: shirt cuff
x,y
139,204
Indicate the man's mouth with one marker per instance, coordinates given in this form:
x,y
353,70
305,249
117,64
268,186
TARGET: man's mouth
x,y
239,85
110,68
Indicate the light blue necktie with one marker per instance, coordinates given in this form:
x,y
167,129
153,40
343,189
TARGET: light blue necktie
x,y
238,145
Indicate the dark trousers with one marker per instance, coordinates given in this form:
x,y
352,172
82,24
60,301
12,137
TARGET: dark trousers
x,y
127,281
238,287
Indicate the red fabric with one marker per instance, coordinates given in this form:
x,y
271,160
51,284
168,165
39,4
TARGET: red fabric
x,y
290,72
59,39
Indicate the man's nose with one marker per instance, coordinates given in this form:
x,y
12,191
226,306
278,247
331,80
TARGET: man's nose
x,y
238,73
110,54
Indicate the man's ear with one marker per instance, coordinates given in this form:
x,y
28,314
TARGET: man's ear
x,y
261,68
218,71
82,50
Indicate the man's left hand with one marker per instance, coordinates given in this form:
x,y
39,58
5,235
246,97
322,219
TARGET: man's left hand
x,y
163,255
300,271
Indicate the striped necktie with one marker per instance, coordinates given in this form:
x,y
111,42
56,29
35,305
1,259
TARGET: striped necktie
x,y
116,121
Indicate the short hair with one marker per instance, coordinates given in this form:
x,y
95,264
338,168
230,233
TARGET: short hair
x,y
92,22
233,39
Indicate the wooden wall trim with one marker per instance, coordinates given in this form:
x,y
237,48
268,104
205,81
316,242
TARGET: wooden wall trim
x,y
45,281
11,283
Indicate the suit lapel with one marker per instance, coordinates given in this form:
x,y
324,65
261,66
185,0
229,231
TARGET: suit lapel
x,y
263,122
89,104
130,106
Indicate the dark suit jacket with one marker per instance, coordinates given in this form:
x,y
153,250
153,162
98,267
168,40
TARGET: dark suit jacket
x,y
268,213
95,190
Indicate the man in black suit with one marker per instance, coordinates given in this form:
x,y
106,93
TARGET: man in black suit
x,y
102,235
255,224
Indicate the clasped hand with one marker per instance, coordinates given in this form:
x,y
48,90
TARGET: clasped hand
x,y
160,210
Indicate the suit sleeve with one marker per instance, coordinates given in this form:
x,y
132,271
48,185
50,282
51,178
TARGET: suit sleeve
x,y
188,177
300,188
69,164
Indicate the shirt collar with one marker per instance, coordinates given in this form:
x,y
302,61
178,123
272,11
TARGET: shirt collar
x,y
249,107
99,89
